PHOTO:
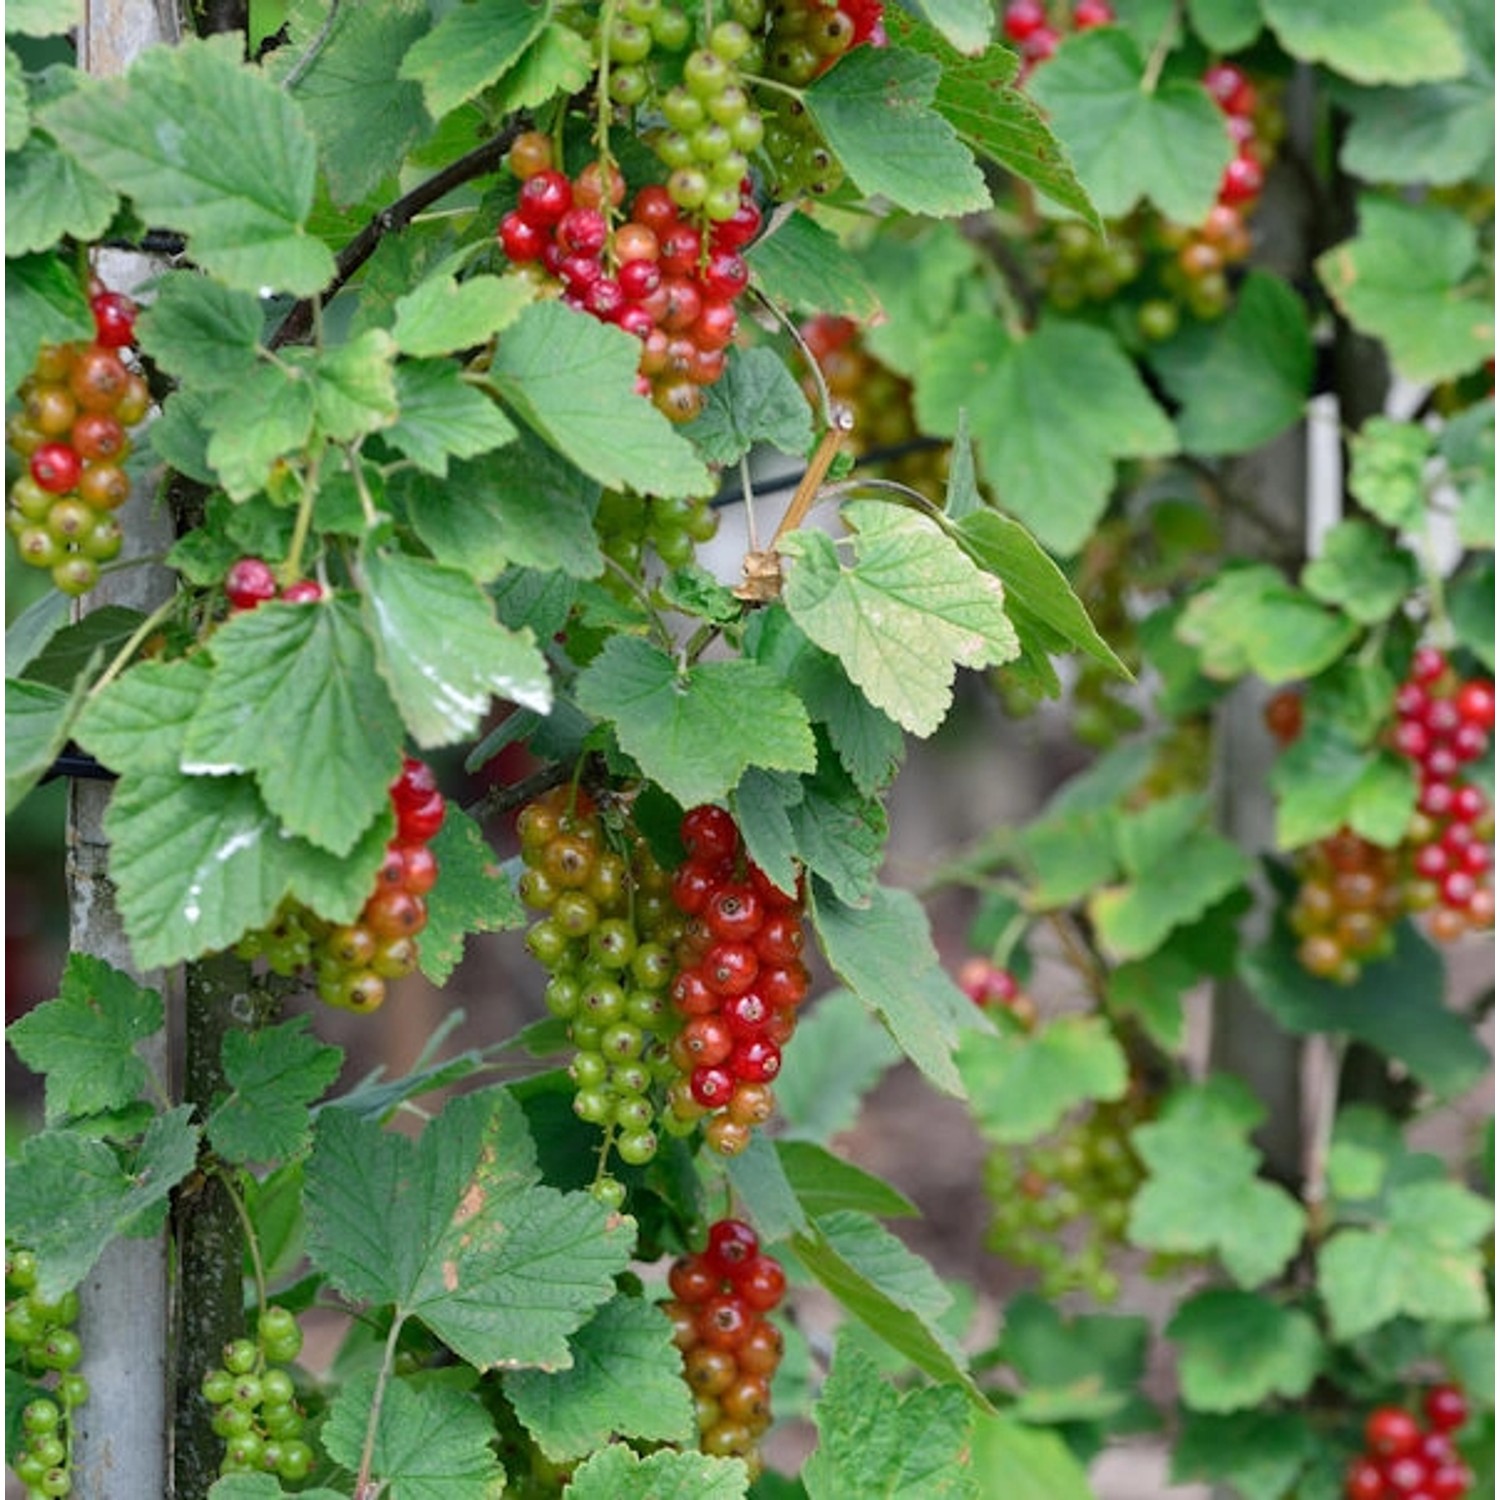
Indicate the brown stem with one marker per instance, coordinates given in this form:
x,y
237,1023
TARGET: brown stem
x,y
297,324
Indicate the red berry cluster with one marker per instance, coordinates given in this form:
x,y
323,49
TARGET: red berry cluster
x,y
992,988
1443,725
353,962
739,981
730,1348
250,583
72,429
1403,1460
1350,898
656,275
1028,24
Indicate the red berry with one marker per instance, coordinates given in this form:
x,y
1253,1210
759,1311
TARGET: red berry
x,y
737,231
755,1060
56,467
653,207
97,437
249,582
691,996
98,380
521,240
762,1284
681,249
1023,17
1449,1482
582,231
1090,13
1231,90
1446,1408
639,278
726,274
1427,665
1470,741
717,324
724,1321
114,319
709,835
419,868
692,1280
705,1042
396,913
1242,180
1391,1432
414,783
746,1015
730,969
783,985
734,913
1364,1481
780,939
1475,702
545,198
415,825
1404,1475
693,883
304,591
732,1246
712,1086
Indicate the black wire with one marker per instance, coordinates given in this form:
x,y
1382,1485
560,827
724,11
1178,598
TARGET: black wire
x,y
77,766
732,494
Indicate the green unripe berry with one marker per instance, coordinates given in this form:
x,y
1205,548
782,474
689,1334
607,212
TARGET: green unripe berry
x,y
41,1415
240,1356
672,29
609,1191
296,1460
276,1388
218,1387
73,1390
20,1265
48,1449
636,1147
589,1070
281,1419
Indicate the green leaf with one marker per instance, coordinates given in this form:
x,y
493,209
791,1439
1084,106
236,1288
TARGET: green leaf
x,y
760,1183
139,722
1226,25
27,636
1323,783
1245,378
432,1442
203,144
1167,145
354,386
1396,1005
1036,1464
37,719
273,1075
42,17
1250,619
966,25
1389,41
456,1230
1067,857
921,284
559,61
757,401
84,1042
67,1197
572,380
885,954
44,304
1438,133
824,1081
198,862
243,453
801,265
1467,445
17,105
909,610
1076,1369
1471,607
1038,598
472,894
1362,571
1203,1193
441,416
364,116
1407,279
50,195
891,1291
1051,413
442,315
695,731
826,1184
1423,1261
875,111
441,650
1021,1085
469,49
1241,1350
524,505
205,334
1259,1453
1387,474
616,1472
626,1378
875,1441
261,1487
297,701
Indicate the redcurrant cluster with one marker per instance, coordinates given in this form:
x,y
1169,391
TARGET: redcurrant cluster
x,y
807,37
1442,726
40,1332
353,962
255,1401
1077,1183
1349,898
730,1348
992,988
72,430
1405,1460
656,275
1029,25
878,400
606,939
251,582
739,981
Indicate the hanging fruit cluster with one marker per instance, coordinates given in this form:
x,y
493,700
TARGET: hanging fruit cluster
x,y
1061,1204
606,940
730,1349
1403,1457
40,1340
1349,898
353,962
1443,725
992,988
660,276
739,981
251,582
878,401
255,1401
72,431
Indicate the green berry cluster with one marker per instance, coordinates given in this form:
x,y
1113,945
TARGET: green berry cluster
x,y
43,1351
255,1401
628,524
